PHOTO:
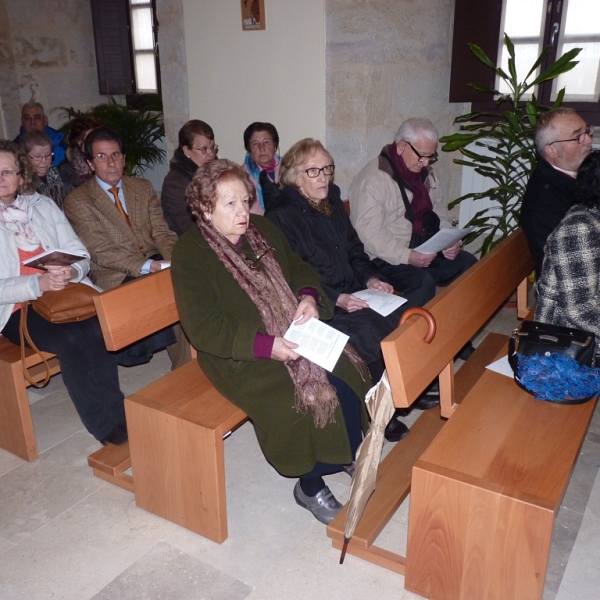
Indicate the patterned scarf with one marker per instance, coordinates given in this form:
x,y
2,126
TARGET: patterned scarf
x,y
16,220
52,186
268,289
79,163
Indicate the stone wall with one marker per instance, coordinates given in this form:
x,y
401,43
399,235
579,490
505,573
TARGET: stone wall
x,y
387,60
46,53
173,69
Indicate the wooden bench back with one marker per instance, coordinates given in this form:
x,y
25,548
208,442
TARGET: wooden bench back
x,y
136,309
459,311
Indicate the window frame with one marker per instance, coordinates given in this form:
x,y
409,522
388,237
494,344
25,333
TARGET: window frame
x,y
478,22
113,40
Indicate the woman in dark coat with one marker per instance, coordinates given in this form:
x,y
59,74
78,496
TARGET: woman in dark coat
x,y
238,286
196,148
311,214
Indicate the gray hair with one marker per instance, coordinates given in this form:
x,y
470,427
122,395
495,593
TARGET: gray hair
x,y
34,138
33,104
415,128
544,128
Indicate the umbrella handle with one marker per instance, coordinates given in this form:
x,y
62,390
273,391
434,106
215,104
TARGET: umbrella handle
x,y
431,324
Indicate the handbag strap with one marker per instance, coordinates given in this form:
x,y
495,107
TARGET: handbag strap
x,y
513,357
24,335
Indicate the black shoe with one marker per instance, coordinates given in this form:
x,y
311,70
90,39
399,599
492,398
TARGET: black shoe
x,y
118,436
427,401
396,430
466,351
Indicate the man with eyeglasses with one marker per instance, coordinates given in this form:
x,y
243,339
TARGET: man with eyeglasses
x,y
394,201
563,140
120,221
33,118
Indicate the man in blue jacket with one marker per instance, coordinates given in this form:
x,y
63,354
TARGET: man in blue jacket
x,y
33,118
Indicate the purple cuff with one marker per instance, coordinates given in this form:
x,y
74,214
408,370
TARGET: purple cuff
x,y
263,345
310,292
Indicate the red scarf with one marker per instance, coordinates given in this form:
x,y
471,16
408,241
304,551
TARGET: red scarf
x,y
421,201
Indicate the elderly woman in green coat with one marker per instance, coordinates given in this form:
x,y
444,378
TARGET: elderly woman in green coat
x,y
238,286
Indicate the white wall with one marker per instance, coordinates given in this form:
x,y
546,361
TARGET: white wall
x,y
236,77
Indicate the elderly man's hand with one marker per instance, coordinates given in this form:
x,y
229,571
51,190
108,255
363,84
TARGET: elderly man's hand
x,y
307,309
418,259
283,350
452,252
376,284
350,303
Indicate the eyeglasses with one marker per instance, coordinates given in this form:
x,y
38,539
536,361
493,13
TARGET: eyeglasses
x,y
101,157
268,142
42,158
580,137
32,117
9,174
423,157
314,172
207,149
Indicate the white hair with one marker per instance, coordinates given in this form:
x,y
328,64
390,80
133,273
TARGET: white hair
x,y
415,128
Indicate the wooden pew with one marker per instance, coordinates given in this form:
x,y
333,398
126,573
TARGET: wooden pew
x,y
460,311
487,488
176,424
16,427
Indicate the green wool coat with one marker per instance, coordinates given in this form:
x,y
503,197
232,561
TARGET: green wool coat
x,y
221,321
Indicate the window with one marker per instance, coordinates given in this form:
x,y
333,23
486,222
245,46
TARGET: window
x,y
532,25
145,51
125,34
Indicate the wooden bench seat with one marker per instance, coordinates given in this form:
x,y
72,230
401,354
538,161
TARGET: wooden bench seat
x,y
176,424
486,489
17,434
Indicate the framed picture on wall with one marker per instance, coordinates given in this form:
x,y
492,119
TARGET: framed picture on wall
x,y
253,14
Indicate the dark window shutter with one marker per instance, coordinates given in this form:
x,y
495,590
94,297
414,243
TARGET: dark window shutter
x,y
113,46
477,22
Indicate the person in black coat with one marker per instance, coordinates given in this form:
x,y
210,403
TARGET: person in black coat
x,y
311,214
196,148
563,140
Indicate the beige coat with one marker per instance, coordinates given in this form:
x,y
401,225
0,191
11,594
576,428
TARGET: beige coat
x,y
377,212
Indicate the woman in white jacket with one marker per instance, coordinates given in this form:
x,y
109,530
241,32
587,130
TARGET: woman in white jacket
x,y
29,225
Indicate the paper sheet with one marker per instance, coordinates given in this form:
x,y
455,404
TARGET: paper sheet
x,y
318,342
443,239
501,366
380,302
165,264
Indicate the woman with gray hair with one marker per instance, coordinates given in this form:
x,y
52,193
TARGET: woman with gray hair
x,y
48,182
312,216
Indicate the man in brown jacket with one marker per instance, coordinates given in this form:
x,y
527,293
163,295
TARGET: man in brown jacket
x,y
119,219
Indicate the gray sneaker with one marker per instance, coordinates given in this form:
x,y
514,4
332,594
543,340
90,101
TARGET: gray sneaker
x,y
323,506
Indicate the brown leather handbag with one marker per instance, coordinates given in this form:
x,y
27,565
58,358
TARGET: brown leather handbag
x,y
73,303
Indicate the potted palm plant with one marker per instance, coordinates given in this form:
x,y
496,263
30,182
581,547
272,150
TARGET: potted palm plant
x,y
141,128
499,145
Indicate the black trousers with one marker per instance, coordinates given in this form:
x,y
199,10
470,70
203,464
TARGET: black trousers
x,y
417,284
88,369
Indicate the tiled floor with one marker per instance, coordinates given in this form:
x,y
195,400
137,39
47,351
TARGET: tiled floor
x,y
66,535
